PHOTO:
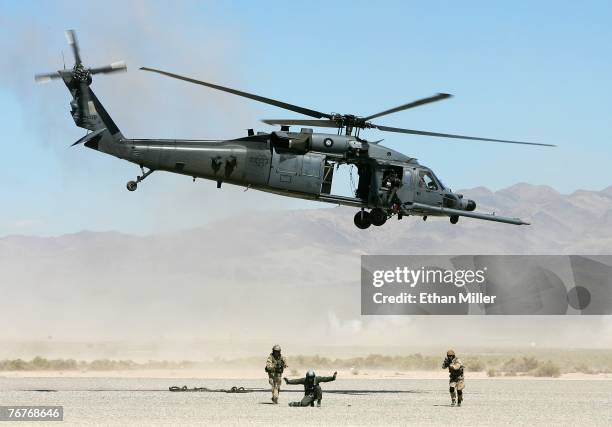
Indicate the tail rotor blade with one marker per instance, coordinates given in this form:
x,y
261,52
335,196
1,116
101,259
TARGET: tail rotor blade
x,y
111,68
46,77
74,44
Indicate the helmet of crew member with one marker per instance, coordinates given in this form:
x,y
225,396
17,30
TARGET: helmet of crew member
x,y
310,373
450,352
276,347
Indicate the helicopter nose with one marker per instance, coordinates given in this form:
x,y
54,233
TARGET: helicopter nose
x,y
466,204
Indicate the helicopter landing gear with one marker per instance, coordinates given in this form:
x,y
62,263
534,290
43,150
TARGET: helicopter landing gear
x,y
133,185
362,219
454,219
378,217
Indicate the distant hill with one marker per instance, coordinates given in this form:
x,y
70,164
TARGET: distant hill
x,y
291,275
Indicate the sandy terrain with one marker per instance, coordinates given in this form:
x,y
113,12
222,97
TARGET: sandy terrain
x,y
348,401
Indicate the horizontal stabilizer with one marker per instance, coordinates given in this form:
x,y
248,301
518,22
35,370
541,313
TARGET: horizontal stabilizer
x,y
89,137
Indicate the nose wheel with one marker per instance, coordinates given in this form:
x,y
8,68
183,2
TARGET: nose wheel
x,y
133,185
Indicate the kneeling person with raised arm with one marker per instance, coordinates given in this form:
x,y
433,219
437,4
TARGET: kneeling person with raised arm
x,y
312,389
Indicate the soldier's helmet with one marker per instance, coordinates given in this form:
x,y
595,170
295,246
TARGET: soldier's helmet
x,y
310,373
276,347
450,352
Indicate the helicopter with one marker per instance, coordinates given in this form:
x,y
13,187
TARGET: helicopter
x,y
294,164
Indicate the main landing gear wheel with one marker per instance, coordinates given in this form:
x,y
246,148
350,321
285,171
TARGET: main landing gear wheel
x,y
132,186
362,220
454,219
378,217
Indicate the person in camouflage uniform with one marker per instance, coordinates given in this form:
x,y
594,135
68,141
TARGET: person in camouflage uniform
x,y
455,371
275,365
312,389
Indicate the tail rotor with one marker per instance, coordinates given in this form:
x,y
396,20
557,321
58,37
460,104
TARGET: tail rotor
x,y
79,78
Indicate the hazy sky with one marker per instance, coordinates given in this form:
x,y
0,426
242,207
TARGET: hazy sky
x,y
523,70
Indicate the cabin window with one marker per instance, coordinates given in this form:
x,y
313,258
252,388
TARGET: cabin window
x,y
407,178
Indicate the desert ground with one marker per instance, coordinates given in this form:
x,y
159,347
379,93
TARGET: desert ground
x,y
351,400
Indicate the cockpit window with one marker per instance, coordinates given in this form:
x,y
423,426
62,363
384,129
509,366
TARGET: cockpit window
x,y
439,181
426,180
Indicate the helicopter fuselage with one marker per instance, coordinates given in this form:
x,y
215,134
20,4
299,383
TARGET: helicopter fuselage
x,y
298,165
294,164
291,164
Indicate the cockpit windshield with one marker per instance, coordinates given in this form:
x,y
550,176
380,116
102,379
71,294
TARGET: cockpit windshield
x,y
427,180
442,186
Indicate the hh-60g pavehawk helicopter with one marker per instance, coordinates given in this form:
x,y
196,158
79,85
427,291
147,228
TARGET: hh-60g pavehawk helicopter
x,y
295,164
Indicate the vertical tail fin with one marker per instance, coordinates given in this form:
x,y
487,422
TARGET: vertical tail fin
x,y
87,111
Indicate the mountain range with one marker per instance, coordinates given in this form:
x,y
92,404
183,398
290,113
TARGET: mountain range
x,y
291,275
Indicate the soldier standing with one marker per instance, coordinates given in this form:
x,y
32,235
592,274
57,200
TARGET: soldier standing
x,y
312,389
455,371
275,365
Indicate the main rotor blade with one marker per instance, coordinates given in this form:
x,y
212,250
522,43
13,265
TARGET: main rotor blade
x,y
299,122
74,44
413,104
46,77
115,66
446,135
295,108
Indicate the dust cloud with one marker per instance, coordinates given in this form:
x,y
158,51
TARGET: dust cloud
x,y
144,105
